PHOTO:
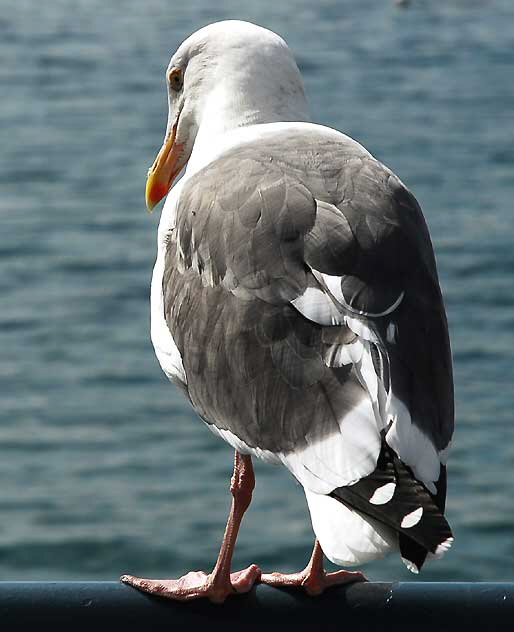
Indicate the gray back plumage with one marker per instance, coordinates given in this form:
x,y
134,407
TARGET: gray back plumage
x,y
253,229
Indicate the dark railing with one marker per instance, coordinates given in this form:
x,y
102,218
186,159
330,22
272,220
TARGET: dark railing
x,y
366,607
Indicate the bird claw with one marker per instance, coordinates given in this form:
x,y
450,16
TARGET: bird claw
x,y
313,583
197,584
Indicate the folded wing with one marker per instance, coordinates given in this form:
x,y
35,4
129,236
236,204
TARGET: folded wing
x,y
301,289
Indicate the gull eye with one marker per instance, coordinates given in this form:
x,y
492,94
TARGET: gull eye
x,y
176,79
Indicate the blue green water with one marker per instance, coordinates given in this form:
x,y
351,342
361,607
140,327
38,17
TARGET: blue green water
x,y
104,469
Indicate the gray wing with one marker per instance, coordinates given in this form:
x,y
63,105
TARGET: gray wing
x,y
301,289
253,363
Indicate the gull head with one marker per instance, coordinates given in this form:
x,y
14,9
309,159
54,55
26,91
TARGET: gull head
x,y
226,75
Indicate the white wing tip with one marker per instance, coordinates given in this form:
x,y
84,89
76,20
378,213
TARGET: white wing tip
x,y
440,550
411,566
443,547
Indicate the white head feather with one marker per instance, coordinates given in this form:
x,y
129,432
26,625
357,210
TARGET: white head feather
x,y
235,74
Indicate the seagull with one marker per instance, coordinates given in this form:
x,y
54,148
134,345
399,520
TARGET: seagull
x,y
295,300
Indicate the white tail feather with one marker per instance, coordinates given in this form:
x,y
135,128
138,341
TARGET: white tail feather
x,y
347,537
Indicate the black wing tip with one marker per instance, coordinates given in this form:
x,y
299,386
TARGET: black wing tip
x,y
412,511
414,555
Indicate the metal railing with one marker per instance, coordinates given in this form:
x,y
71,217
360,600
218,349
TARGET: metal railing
x,y
362,607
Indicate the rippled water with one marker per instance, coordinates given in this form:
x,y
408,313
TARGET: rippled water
x,y
103,468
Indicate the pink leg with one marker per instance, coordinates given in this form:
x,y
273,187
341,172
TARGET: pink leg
x,y
220,583
313,577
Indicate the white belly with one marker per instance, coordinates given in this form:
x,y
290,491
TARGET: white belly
x,y
165,348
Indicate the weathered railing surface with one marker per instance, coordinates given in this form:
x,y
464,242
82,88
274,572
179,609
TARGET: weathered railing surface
x,y
366,607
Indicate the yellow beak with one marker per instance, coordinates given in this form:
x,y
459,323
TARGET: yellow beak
x,y
164,170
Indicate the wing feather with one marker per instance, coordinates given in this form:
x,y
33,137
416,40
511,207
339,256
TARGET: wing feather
x,y
309,317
